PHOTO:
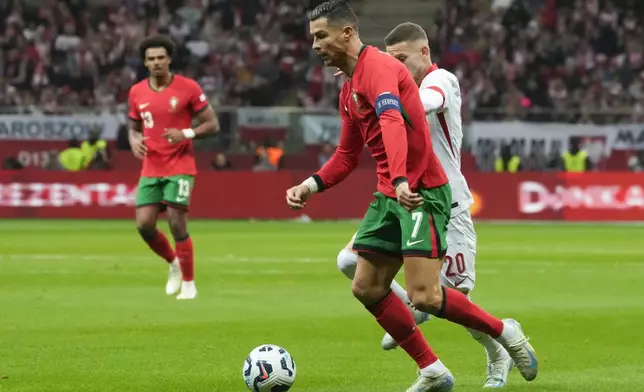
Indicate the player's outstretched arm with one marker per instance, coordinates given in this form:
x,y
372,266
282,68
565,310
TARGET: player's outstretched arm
x,y
345,158
343,161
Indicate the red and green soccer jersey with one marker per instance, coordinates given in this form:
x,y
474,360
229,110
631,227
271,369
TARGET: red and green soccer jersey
x,y
380,106
172,107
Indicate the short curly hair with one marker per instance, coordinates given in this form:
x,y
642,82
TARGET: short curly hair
x,y
157,41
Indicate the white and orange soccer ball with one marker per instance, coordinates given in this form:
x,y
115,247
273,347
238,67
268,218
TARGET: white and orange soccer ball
x,y
269,368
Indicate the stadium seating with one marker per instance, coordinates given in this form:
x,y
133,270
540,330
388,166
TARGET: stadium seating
x,y
538,60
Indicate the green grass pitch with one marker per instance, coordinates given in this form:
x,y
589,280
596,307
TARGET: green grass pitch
x,y
83,308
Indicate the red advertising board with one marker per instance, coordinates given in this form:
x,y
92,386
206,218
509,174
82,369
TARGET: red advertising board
x,y
559,196
247,195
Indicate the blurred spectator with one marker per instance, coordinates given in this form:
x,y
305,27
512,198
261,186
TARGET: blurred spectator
x,y
485,155
52,162
636,162
537,160
508,161
12,163
221,162
57,54
575,159
538,60
555,161
262,164
269,156
72,158
546,60
96,151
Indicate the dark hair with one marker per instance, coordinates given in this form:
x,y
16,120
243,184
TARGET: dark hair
x,y
336,12
157,41
405,32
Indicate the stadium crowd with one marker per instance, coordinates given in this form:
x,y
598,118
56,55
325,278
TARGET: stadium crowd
x,y
577,61
546,60
565,60
58,55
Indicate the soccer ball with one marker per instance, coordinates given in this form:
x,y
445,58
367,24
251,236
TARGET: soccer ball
x,y
269,368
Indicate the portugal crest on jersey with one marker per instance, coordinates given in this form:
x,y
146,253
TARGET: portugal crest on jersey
x,y
357,100
173,103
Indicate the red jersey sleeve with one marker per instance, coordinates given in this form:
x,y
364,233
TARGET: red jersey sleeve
x,y
381,88
198,100
133,112
346,156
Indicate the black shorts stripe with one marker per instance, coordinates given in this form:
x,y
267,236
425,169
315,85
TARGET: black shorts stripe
x,y
439,254
147,204
374,249
439,246
202,109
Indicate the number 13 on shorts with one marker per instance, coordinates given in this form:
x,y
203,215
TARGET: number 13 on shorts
x,y
179,189
184,189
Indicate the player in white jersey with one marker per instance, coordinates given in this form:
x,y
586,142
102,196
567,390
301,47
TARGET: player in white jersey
x,y
441,97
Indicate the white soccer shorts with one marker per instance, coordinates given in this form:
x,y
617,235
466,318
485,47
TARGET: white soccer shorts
x,y
458,268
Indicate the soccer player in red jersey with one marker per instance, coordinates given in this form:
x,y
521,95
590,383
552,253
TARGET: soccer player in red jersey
x,y
380,106
161,109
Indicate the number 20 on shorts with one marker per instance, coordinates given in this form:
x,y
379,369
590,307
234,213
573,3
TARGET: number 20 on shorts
x,y
457,261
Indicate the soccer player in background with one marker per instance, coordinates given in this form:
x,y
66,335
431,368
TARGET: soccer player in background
x,y
380,106
441,97
161,109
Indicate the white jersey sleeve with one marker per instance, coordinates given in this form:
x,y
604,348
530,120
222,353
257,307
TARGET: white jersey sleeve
x,y
446,127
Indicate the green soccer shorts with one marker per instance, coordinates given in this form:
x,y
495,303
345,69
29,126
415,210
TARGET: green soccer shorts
x,y
174,190
390,229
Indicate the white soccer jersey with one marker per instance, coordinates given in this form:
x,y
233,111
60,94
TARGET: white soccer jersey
x,y
447,133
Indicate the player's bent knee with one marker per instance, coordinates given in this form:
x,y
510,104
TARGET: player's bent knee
x,y
367,294
146,222
147,232
178,227
178,232
426,299
347,263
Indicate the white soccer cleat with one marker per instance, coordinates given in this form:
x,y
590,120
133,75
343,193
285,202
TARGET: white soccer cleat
x,y
497,372
389,343
521,351
188,290
174,278
441,383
